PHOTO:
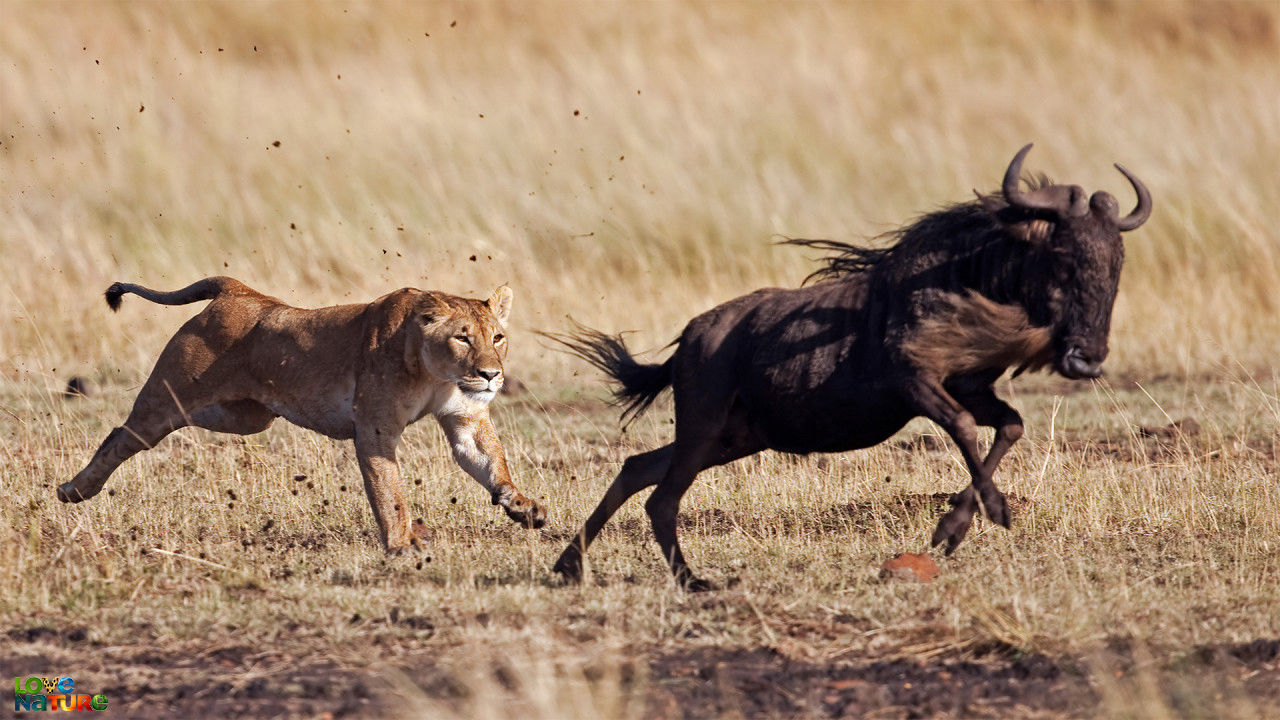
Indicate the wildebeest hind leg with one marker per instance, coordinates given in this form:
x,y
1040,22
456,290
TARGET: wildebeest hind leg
x,y
699,445
638,472
703,440
663,505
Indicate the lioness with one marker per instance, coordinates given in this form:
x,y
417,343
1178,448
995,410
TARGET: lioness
x,y
362,372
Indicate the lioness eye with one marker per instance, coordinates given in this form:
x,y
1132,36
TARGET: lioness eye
x,y
498,338
462,338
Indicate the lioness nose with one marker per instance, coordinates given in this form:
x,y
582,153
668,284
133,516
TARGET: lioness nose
x,y
488,374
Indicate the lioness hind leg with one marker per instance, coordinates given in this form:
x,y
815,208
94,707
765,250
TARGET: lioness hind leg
x,y
121,444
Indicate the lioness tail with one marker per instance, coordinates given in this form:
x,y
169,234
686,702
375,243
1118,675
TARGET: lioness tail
x,y
636,385
206,289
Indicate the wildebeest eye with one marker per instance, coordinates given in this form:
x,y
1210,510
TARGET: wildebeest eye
x,y
428,318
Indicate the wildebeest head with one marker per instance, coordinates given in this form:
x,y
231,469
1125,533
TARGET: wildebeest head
x,y
1080,237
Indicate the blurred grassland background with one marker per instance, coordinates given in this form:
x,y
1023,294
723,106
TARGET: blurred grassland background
x,y
629,165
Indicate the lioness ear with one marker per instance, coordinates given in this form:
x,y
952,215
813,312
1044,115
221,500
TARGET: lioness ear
x,y
500,303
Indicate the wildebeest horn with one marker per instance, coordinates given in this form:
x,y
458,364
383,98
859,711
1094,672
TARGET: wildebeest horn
x,y
1055,198
1143,210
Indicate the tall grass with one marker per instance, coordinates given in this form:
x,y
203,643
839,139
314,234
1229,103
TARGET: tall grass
x,y
626,164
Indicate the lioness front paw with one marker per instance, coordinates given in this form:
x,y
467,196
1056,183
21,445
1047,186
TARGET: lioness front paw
x,y
415,546
525,511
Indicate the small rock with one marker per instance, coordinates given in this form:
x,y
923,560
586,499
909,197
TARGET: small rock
x,y
79,387
910,567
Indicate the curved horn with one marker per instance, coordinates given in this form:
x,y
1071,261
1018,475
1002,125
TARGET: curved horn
x,y
1028,201
1142,211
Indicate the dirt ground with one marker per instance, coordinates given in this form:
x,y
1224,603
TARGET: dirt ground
x,y
228,680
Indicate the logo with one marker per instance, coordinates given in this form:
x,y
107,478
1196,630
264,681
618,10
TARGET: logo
x,y
58,693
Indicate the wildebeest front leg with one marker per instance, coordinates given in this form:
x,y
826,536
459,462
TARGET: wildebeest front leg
x,y
935,403
376,452
990,411
477,450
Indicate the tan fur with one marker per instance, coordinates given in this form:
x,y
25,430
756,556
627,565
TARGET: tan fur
x,y
966,333
360,372
1034,231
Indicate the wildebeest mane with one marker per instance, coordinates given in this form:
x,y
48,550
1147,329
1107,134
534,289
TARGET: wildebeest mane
x,y
982,244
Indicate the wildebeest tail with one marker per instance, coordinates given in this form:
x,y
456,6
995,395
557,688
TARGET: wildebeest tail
x,y
635,385
206,289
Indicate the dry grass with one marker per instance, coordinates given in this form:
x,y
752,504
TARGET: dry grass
x,y
627,165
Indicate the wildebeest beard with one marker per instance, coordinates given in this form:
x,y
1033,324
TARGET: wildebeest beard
x,y
921,327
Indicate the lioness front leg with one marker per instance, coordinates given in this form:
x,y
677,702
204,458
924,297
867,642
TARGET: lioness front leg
x,y
477,450
376,452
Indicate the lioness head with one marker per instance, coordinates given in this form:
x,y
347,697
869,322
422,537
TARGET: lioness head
x,y
461,340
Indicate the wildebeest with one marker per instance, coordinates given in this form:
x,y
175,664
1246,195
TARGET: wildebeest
x,y
924,327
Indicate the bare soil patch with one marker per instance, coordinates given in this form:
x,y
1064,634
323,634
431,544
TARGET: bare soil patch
x,y
230,680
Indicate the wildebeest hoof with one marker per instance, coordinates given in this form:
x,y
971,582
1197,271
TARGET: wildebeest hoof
x,y
697,585
952,528
525,511
569,566
68,493
997,509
